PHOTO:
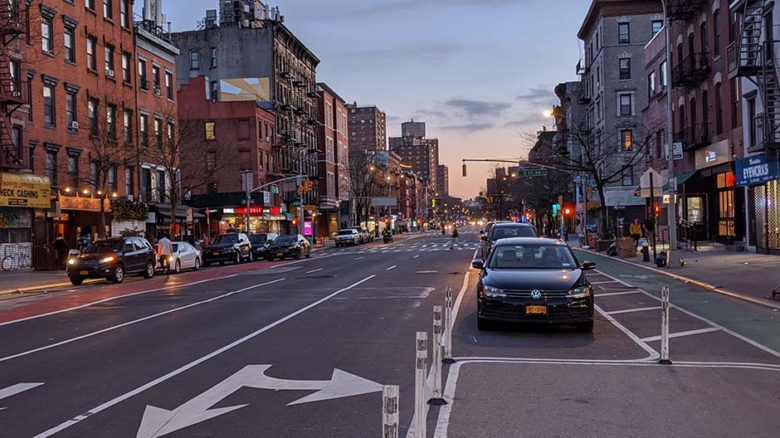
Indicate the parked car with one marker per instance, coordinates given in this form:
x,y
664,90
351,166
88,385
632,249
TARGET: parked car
x,y
113,259
349,236
293,245
185,256
260,244
534,280
233,247
365,236
503,230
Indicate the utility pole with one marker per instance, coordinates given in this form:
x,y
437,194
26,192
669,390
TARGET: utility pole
x,y
671,209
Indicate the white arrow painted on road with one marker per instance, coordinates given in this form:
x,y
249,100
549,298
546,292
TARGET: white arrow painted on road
x,y
157,422
16,389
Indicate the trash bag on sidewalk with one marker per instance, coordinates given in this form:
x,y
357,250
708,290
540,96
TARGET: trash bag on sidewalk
x,y
660,259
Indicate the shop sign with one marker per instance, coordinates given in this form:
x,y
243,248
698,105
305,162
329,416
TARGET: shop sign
x,y
713,155
15,218
308,228
21,190
83,204
756,170
622,197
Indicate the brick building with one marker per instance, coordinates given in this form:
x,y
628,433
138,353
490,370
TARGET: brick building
x,y
367,128
443,180
333,161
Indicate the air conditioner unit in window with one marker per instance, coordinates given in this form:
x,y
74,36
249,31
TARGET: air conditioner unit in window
x,y
109,73
16,93
130,198
73,125
157,91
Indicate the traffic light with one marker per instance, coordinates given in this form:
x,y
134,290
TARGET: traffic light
x,y
295,221
567,211
464,169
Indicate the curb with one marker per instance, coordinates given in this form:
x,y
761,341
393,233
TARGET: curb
x,y
692,281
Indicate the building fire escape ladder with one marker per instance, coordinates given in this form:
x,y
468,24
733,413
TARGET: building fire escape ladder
x,y
750,38
770,90
11,98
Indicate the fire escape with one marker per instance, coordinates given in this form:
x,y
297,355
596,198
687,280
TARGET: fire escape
x,y
12,96
689,72
752,56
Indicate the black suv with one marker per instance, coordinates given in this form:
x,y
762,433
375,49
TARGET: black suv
x,y
504,230
113,259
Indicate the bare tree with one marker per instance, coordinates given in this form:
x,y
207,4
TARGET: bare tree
x,y
363,184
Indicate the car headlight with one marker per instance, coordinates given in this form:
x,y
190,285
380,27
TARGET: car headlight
x,y
72,262
579,292
170,258
108,259
493,292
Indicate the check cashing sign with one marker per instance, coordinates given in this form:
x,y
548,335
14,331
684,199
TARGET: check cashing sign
x,y
24,190
756,170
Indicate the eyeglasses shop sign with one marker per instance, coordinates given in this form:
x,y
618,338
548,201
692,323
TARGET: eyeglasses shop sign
x,y
756,170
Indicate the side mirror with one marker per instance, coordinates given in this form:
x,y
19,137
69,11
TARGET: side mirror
x,y
483,238
588,266
479,264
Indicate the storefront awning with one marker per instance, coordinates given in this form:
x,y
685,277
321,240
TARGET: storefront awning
x,y
287,216
682,178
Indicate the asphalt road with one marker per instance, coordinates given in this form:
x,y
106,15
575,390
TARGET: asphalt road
x,y
301,349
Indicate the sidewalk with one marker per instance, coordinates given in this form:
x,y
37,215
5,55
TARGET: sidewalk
x,y
28,281
745,275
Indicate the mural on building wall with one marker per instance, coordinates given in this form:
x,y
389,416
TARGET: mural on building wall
x,y
16,256
245,89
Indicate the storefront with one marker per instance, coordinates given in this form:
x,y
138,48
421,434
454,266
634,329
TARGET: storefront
x,y
184,225
23,201
261,220
761,179
77,218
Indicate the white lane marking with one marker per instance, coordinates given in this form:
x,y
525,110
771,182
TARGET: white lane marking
x,y
638,309
429,379
681,334
390,268
157,422
358,258
426,272
418,255
18,388
314,270
176,372
92,303
135,321
602,282
443,422
652,353
708,321
295,262
609,294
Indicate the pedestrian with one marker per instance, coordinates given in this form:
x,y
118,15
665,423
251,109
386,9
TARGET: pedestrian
x,y
635,229
205,240
454,237
164,251
61,249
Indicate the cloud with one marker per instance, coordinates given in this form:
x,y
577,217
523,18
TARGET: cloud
x,y
468,128
423,52
478,108
384,7
538,96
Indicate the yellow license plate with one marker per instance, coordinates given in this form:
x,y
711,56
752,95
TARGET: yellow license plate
x,y
536,310
83,272
280,254
215,254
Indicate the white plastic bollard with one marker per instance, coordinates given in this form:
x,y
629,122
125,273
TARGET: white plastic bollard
x,y
419,384
436,398
448,326
390,411
665,327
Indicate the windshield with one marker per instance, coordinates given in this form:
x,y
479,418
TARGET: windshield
x,y
103,246
258,238
346,232
226,238
286,239
507,232
532,257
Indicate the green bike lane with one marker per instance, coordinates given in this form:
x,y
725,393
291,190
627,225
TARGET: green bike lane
x,y
758,323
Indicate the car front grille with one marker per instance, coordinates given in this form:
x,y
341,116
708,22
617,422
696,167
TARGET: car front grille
x,y
546,294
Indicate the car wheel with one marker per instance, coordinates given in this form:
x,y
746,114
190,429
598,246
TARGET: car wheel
x,y
207,264
483,324
299,254
308,254
585,327
119,274
221,263
76,280
149,272
269,258
197,264
177,267
238,258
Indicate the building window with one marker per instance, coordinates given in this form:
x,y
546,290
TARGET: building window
x,y
16,79
210,129
628,176
47,32
16,141
751,108
73,169
51,166
651,84
107,9
92,53
156,76
127,121
161,185
657,25
109,61
69,43
49,115
89,4
169,132
144,128
158,132
734,102
213,57
214,91
146,184
718,110
30,110
211,160
663,76
626,140
111,180
194,61
625,68
624,33
111,121
129,181
703,35
126,67
71,111
169,84
142,74
625,104
124,16
716,32
92,107
659,144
